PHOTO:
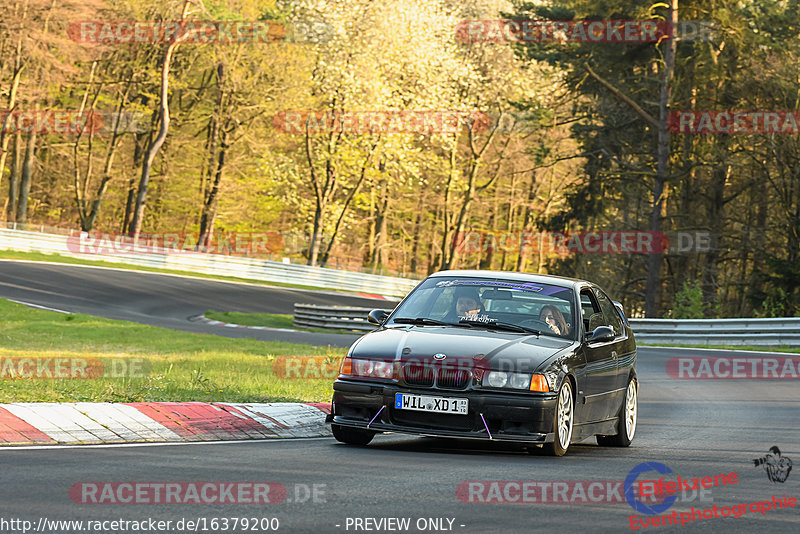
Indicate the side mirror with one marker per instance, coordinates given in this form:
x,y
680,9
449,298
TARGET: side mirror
x,y
601,333
377,317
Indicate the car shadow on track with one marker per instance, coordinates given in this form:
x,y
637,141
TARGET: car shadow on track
x,y
470,447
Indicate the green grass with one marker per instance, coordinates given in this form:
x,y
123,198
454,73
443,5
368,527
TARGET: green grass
x,y
761,348
272,320
39,256
180,366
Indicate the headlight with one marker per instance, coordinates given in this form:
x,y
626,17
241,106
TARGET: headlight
x,y
368,368
501,379
497,379
382,369
519,381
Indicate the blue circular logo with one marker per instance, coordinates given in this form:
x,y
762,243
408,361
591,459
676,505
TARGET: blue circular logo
x,y
630,482
439,356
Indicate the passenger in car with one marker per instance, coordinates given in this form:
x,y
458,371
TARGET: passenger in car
x,y
554,319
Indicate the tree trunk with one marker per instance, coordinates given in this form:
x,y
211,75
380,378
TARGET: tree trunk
x,y
138,153
25,182
210,206
210,188
469,195
526,220
347,201
445,259
416,239
316,231
155,146
13,180
654,261
12,103
379,258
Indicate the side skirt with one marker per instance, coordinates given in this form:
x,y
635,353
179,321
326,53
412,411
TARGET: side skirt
x,y
587,430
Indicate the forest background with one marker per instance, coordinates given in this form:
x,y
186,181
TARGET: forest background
x,y
555,139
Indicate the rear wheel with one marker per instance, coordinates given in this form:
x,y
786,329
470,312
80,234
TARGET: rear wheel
x,y
562,422
352,436
626,423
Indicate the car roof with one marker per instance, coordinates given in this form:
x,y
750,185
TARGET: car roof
x,y
525,277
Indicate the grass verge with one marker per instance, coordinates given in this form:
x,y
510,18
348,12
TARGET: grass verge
x,y
175,366
271,320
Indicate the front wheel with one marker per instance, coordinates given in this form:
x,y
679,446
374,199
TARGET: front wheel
x,y
562,422
352,436
626,423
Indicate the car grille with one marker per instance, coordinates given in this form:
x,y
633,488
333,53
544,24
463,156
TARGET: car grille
x,y
418,374
424,374
453,378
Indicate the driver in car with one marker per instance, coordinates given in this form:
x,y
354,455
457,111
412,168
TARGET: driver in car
x,y
468,304
554,319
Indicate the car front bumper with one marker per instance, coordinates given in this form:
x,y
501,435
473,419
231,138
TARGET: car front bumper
x,y
517,417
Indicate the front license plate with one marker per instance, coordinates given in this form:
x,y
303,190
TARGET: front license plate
x,y
425,403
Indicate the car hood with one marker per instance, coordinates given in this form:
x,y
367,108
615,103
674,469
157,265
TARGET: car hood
x,y
502,350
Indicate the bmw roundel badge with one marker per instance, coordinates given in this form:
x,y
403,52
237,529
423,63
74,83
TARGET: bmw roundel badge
x,y
439,356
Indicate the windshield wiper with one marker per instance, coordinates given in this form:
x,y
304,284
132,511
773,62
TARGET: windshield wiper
x,y
509,327
420,321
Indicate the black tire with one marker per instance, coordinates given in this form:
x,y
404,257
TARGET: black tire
x,y
563,421
352,436
626,419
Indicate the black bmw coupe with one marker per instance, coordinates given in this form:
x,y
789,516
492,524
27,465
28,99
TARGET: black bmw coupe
x,y
488,355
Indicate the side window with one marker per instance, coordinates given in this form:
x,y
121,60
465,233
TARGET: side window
x,y
590,311
609,311
422,299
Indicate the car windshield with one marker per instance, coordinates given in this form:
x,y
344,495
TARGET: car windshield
x,y
491,303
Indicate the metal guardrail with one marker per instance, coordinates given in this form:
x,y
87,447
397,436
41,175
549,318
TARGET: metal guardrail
x,y
333,317
215,264
748,331
759,332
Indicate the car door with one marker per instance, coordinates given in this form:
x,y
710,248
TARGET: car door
x,y
625,352
601,369
623,360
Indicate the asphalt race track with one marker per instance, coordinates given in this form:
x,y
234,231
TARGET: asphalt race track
x,y
165,300
697,428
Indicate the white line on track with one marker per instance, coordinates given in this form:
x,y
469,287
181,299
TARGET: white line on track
x,y
160,444
794,354
40,307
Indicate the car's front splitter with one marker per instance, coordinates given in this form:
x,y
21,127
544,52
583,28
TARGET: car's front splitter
x,y
484,436
491,416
